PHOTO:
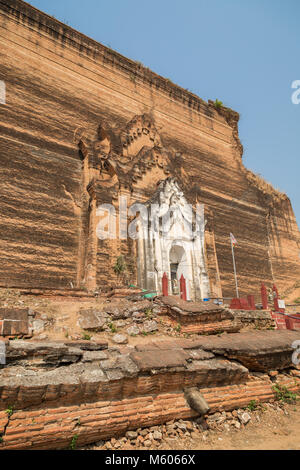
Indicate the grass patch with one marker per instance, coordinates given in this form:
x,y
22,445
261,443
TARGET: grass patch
x,y
86,337
284,395
112,327
252,406
120,266
149,313
74,442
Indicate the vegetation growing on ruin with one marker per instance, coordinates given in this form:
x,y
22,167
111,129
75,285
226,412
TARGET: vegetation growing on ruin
x,y
74,442
218,104
149,313
120,266
283,394
265,187
9,411
252,405
112,327
86,337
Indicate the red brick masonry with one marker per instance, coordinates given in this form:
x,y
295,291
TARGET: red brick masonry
x,y
105,392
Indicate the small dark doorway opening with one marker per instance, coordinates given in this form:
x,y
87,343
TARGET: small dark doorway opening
x,y
174,279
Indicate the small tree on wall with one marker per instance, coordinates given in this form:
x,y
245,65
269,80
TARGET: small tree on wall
x,y
120,268
218,104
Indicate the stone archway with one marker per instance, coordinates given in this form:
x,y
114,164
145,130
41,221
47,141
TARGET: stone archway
x,y
169,244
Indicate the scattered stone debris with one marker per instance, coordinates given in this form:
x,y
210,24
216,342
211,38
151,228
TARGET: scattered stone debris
x,y
42,337
150,326
133,330
120,339
190,431
38,326
92,320
244,418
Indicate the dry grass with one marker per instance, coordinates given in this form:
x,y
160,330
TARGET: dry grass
x,y
265,187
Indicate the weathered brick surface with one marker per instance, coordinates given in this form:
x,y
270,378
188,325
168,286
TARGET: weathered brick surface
x,y
13,321
54,428
258,351
52,373
106,393
18,314
209,327
69,105
199,317
251,319
67,385
155,360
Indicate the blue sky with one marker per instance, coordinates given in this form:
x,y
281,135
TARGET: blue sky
x,y
243,52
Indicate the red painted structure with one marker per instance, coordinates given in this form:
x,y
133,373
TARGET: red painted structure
x,y
264,297
183,288
251,302
276,298
165,285
282,320
286,322
241,304
235,304
279,320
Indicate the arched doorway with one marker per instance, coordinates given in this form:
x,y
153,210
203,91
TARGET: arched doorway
x,y
178,266
171,245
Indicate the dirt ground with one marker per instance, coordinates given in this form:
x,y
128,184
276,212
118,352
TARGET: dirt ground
x,y
270,428
62,312
275,431
273,426
63,315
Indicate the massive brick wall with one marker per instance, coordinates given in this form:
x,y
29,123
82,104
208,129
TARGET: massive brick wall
x,y
59,82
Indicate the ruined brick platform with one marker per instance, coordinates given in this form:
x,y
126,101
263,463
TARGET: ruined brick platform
x,y
58,389
261,319
199,317
13,321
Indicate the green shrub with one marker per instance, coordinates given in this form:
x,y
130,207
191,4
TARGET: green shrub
x,y
86,337
120,266
218,104
149,313
283,394
112,327
9,411
74,442
252,405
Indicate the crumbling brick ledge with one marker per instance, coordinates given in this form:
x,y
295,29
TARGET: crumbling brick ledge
x,y
51,392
